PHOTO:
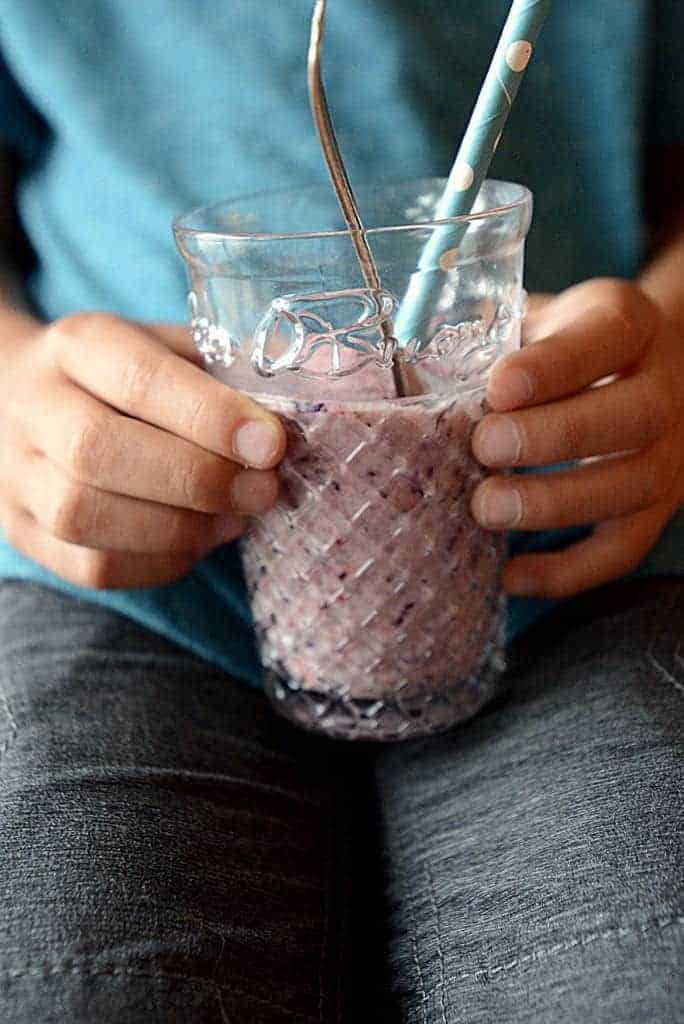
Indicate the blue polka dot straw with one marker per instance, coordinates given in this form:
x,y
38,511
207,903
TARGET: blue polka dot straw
x,y
512,55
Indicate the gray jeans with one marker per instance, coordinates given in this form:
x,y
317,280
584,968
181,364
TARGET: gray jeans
x,y
170,851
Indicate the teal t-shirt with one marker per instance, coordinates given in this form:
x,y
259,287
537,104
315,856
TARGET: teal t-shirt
x,y
126,114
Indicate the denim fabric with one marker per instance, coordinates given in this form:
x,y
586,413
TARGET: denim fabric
x,y
534,857
171,851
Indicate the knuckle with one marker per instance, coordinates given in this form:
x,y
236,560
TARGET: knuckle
x,y
69,513
81,326
75,329
205,484
139,378
86,448
196,484
74,325
199,418
570,436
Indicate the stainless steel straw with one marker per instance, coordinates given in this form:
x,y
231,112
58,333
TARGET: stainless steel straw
x,y
340,178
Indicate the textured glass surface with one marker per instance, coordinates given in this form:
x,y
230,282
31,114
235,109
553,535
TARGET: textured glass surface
x,y
375,596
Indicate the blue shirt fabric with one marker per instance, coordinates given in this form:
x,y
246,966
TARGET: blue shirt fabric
x,y
126,114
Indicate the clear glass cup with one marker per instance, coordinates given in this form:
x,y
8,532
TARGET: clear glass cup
x,y
375,596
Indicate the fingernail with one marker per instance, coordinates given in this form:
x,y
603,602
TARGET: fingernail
x,y
497,507
508,389
497,441
256,443
253,492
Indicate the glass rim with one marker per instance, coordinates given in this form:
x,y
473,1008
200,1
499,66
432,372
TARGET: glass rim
x,y
523,198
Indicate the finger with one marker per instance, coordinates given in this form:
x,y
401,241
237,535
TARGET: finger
x,y
96,445
177,338
85,567
591,332
630,413
122,365
604,489
90,517
613,549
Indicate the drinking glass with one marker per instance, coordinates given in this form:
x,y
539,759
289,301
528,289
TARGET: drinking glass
x,y
376,597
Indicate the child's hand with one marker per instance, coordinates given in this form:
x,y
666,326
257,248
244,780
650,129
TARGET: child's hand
x,y
592,331
121,462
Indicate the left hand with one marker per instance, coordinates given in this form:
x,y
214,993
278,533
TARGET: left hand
x,y
551,403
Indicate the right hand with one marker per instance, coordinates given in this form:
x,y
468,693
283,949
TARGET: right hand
x,y
121,462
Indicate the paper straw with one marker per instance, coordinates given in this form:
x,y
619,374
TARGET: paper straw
x,y
499,89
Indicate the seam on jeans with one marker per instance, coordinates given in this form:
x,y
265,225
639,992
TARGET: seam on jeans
x,y
49,970
144,773
487,973
110,655
222,1006
416,959
219,959
440,951
665,675
662,671
12,734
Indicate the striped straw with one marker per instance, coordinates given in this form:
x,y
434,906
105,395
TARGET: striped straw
x,y
499,89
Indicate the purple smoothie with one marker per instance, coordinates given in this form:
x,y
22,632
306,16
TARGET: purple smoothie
x,y
370,581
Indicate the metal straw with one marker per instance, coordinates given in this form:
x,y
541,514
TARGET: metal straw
x,y
340,178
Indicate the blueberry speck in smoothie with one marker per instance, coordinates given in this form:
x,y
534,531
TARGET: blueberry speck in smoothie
x,y
404,612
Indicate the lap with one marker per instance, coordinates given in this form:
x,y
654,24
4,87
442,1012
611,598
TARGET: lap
x,y
534,862
170,849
